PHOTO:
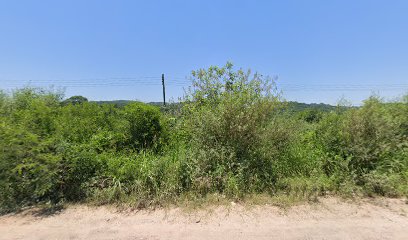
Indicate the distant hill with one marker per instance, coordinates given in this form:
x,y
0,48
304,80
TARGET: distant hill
x,y
298,107
292,106
158,103
122,103
118,103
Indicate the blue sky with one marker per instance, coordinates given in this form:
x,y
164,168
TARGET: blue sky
x,y
320,50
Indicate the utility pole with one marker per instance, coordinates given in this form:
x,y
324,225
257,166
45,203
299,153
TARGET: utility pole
x,y
164,91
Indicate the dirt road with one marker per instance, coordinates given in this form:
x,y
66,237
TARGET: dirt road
x,y
330,219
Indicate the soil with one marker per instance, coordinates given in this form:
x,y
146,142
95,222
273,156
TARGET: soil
x,y
331,218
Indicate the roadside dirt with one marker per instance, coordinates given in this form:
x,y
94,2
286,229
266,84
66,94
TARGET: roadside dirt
x,y
331,218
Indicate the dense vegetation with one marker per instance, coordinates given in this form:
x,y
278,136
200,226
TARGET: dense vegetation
x,y
233,136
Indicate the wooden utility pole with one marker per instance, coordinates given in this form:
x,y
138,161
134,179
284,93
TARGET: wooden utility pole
x,y
164,91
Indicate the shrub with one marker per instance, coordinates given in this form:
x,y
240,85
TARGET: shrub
x,y
145,126
365,140
230,118
231,136
28,168
78,165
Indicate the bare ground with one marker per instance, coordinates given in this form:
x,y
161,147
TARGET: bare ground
x,y
331,218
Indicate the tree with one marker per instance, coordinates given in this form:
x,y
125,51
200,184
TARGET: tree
x,y
75,100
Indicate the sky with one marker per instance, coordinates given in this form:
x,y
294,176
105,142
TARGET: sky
x,y
319,50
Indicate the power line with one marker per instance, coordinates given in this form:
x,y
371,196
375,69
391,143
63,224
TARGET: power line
x,y
112,84
93,82
184,82
343,87
127,80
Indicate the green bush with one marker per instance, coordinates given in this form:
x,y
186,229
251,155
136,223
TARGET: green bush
x,y
232,136
386,184
145,125
28,161
51,152
234,130
362,141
